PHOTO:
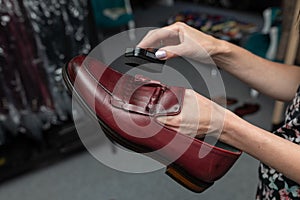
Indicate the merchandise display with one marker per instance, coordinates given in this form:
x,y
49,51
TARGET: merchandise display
x,y
223,27
36,39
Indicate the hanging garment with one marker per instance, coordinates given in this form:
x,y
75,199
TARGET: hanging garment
x,y
36,39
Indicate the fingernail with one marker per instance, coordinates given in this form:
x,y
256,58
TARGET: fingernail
x,y
160,54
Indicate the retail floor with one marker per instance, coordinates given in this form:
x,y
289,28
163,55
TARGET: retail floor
x,y
83,177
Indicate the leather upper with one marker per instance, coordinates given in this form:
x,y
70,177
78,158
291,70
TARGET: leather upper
x,y
129,105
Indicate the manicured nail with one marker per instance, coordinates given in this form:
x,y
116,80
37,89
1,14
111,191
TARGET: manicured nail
x,y
160,54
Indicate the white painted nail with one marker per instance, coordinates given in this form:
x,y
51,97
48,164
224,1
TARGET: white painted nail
x,y
160,54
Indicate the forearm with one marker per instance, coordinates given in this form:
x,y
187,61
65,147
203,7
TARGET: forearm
x,y
270,149
277,80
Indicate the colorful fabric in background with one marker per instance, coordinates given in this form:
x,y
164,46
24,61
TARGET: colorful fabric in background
x,y
36,39
223,27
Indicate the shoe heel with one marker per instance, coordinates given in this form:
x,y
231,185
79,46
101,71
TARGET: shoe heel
x,y
186,180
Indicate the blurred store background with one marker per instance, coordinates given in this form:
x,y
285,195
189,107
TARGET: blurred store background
x,y
41,155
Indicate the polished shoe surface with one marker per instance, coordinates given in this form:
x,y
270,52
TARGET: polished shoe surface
x,y
127,108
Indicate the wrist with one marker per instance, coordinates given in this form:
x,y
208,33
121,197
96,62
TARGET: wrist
x,y
233,130
222,48
224,54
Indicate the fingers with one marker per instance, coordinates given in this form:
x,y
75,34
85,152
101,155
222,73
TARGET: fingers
x,y
187,121
175,40
167,40
168,52
158,38
168,34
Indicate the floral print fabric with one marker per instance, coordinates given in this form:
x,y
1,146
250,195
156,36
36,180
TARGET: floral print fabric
x,y
273,185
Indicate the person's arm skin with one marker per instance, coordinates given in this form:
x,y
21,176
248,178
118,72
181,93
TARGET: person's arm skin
x,y
270,149
209,118
277,80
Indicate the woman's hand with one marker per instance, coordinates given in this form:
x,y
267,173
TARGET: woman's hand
x,y
180,39
199,116
274,79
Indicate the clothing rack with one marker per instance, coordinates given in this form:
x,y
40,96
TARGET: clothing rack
x,y
36,39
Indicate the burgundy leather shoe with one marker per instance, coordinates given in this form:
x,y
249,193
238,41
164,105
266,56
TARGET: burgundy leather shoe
x,y
127,107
